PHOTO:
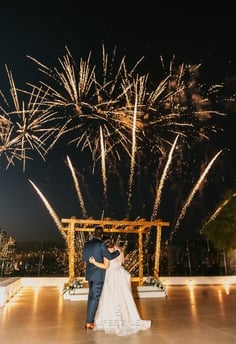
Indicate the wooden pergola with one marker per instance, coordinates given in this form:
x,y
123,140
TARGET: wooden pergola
x,y
140,227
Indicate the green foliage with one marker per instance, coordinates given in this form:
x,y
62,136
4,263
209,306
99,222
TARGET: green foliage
x,y
221,229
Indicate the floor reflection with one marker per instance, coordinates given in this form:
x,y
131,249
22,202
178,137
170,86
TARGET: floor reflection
x,y
189,314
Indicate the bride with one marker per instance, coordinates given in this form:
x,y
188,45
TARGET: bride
x,y
117,312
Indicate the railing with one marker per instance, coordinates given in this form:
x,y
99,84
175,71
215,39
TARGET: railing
x,y
8,288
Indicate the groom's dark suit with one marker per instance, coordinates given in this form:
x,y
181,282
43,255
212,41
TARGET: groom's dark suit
x,y
94,275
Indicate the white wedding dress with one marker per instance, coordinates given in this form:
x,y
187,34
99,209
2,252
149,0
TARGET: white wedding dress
x,y
117,312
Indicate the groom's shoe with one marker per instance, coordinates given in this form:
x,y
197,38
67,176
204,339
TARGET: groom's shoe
x,y
89,326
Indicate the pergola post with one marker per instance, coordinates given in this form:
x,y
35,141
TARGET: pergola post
x,y
140,244
71,249
158,252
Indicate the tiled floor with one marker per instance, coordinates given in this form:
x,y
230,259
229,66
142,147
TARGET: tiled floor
x,y
197,315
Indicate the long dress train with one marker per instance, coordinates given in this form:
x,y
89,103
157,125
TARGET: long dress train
x,y
117,312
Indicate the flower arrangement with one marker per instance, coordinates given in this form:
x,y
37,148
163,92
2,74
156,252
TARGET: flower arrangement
x,y
72,286
152,281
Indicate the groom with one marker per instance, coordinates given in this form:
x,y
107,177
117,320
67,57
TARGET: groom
x,y
94,275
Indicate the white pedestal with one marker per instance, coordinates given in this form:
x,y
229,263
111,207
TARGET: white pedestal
x,y
81,294
8,288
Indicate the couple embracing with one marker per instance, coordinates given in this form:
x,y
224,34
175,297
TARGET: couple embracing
x,y
110,306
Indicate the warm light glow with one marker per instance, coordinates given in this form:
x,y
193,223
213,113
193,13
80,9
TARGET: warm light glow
x,y
227,287
191,287
36,297
220,297
191,283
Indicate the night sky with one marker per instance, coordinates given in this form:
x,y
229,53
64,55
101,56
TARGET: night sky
x,y
43,30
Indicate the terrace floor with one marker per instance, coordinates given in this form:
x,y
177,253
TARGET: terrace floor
x,y
199,314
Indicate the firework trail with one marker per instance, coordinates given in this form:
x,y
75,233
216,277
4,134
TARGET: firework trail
x,y
103,166
194,190
162,181
77,188
132,163
50,210
218,210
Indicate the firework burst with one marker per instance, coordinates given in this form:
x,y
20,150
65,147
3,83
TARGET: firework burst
x,y
90,105
24,125
94,98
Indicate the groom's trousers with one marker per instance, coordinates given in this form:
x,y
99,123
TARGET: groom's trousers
x,y
95,290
